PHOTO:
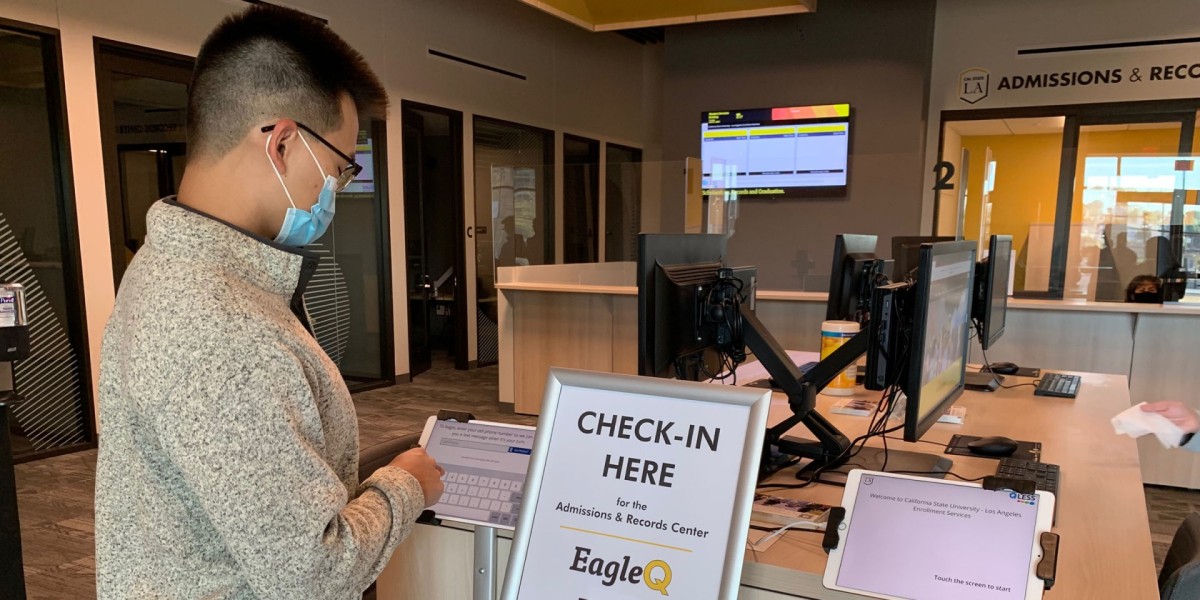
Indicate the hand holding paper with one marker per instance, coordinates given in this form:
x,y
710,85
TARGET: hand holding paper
x,y
1136,422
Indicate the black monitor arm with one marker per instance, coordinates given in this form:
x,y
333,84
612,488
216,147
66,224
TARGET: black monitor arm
x,y
830,448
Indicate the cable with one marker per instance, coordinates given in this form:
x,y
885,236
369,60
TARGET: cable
x,y
988,364
939,444
782,530
950,473
761,528
877,427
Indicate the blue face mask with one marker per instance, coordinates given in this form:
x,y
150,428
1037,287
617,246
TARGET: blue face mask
x,y
303,227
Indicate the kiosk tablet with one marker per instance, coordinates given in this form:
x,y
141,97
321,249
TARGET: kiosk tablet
x,y
485,467
912,537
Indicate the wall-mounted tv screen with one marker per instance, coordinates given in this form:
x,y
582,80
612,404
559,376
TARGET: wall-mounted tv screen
x,y
776,152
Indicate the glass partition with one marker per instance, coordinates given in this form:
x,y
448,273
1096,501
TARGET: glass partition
x,y
1009,171
1126,180
1099,200
622,202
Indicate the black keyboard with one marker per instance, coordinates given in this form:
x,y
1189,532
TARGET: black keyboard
x,y
1044,475
1057,385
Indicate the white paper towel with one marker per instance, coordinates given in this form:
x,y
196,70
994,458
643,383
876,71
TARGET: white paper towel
x,y
1135,422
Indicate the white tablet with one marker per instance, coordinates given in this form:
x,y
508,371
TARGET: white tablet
x,y
914,537
485,467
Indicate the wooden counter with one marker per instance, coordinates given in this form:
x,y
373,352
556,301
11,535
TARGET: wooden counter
x,y
1106,551
581,316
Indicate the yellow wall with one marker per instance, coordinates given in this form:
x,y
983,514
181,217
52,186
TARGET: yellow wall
x,y
1027,166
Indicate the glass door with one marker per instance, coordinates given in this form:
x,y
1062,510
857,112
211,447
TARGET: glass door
x,y
350,295
434,238
581,199
514,213
39,248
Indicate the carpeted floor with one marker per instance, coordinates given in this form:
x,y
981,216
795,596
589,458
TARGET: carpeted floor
x,y
55,495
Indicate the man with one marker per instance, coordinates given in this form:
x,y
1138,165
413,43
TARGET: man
x,y
229,443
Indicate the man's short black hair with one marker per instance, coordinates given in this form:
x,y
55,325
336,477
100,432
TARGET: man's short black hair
x,y
269,63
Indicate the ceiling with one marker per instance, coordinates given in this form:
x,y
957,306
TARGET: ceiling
x,y
613,15
1039,125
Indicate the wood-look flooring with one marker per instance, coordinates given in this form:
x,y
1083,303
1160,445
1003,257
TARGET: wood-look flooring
x,y
55,495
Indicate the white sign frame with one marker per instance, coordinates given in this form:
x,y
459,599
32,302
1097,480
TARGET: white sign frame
x,y
757,403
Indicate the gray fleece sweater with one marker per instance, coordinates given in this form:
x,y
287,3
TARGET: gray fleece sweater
x,y
228,464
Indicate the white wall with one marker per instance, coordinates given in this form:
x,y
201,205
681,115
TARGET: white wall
x,y
584,83
987,35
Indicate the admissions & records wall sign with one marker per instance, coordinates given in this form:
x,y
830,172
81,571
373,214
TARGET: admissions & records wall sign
x,y
637,488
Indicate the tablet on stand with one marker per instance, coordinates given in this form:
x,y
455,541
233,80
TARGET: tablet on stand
x,y
914,537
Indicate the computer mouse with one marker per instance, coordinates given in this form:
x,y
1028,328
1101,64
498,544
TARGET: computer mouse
x,y
1003,368
997,446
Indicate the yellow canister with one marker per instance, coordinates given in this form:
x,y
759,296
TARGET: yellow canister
x,y
833,335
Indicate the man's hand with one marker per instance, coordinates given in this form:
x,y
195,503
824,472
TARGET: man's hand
x,y
1176,412
426,470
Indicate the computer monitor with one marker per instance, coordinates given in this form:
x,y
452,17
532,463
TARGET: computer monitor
x,y
851,277
941,322
990,306
906,252
683,292
692,309
663,263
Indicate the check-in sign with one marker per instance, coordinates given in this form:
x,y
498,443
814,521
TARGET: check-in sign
x,y
638,488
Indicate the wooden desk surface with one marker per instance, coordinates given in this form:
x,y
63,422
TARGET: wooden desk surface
x,y
1105,552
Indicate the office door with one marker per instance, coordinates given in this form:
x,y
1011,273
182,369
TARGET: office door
x,y
148,172
143,130
420,297
434,242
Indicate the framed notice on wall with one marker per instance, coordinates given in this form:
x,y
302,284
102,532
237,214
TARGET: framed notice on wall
x,y
637,488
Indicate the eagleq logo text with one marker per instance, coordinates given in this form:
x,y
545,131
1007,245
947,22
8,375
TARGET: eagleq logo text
x,y
656,574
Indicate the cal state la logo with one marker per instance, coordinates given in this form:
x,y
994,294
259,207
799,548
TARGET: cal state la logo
x,y
973,85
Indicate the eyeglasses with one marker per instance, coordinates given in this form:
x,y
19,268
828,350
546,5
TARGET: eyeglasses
x,y
347,173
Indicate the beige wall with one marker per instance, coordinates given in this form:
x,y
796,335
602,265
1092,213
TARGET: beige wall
x,y
597,85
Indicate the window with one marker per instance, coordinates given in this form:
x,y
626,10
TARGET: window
x,y
1093,195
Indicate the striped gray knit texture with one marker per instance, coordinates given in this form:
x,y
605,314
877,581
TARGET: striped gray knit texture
x,y
228,464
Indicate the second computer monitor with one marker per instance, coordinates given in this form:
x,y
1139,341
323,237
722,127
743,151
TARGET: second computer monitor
x,y
991,299
940,329
849,279
906,252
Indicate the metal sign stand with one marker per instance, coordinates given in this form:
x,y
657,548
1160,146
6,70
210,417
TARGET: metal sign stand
x,y
484,587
